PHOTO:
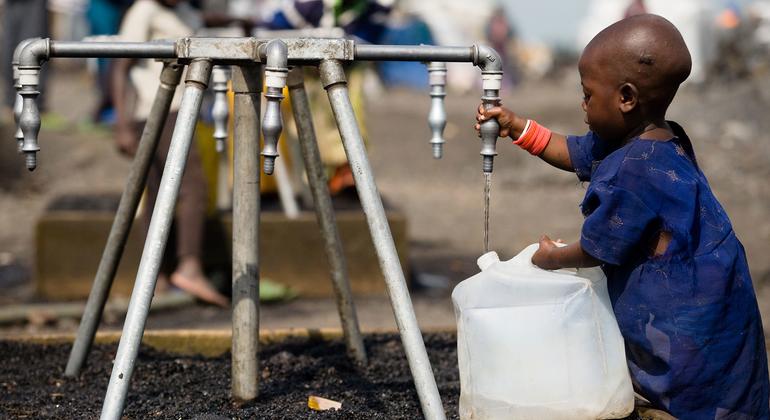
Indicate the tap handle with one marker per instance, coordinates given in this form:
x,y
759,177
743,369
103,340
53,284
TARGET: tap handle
x,y
490,131
437,115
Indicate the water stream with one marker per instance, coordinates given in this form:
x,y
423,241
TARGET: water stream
x,y
487,188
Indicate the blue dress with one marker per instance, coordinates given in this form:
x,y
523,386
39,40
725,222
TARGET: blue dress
x,y
689,317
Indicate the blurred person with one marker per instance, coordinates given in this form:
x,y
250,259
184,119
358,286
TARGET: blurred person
x,y
637,7
364,19
22,19
146,20
501,36
104,18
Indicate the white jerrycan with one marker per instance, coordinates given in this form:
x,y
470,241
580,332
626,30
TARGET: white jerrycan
x,y
537,344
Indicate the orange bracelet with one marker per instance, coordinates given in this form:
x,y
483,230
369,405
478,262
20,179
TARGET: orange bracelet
x,y
534,139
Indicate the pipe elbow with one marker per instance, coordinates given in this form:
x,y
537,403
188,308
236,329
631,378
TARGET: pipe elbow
x,y
19,49
34,53
487,59
276,54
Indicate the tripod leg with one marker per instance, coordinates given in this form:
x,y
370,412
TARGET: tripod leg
x,y
333,79
300,106
196,81
247,86
124,218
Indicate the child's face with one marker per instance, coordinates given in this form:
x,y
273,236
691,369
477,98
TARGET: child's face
x,y
600,102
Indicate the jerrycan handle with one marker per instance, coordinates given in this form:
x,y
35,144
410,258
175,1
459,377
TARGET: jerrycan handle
x,y
485,261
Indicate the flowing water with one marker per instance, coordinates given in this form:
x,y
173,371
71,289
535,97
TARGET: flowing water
x,y
487,188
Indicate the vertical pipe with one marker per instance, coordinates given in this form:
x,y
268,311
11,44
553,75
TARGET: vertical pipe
x,y
300,106
247,85
220,111
195,83
124,218
285,190
333,79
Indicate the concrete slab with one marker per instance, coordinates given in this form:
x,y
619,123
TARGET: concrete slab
x,y
69,245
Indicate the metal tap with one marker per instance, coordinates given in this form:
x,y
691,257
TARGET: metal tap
x,y
491,80
17,105
31,57
437,114
221,110
276,71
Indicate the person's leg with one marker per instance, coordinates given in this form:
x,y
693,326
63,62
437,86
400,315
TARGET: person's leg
x,y
189,275
191,220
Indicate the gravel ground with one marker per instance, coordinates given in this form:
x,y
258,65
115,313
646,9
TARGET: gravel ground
x,y
169,386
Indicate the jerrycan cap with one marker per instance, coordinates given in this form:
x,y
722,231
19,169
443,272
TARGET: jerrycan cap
x,y
486,260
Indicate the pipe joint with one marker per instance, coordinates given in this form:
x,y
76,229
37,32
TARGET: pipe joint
x,y
276,73
199,72
332,73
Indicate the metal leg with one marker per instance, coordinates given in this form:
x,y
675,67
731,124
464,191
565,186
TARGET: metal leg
x,y
196,81
247,85
124,218
333,79
300,106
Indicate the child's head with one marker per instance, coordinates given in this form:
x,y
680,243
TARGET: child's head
x,y
630,73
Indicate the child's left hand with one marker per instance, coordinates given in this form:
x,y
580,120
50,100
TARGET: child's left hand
x,y
545,255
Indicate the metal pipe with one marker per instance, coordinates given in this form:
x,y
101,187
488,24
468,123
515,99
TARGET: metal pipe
x,y
247,85
196,81
124,218
437,114
426,53
285,190
154,49
276,69
333,79
220,111
324,211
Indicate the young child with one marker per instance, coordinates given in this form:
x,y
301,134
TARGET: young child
x,y
678,277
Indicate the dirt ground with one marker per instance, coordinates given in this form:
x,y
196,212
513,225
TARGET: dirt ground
x,y
441,198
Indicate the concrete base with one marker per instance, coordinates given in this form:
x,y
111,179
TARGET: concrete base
x,y
70,243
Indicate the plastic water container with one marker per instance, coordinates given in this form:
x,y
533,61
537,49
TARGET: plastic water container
x,y
538,344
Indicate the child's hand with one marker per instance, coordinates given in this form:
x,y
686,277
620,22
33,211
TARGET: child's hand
x,y
545,255
510,123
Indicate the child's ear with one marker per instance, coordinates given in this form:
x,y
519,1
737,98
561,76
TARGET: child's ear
x,y
629,97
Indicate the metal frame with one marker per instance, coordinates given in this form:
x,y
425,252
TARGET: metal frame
x,y
247,55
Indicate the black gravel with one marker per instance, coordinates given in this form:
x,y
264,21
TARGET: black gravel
x,y
32,383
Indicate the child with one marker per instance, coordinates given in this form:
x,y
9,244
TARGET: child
x,y
677,275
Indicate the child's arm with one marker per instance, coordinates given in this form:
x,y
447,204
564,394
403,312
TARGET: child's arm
x,y
556,153
552,257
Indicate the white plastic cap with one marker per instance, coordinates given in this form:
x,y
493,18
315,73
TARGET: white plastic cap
x,y
486,260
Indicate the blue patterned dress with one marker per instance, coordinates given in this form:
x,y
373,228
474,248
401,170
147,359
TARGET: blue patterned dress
x,y
689,317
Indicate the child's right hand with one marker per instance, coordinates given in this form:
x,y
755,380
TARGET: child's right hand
x,y
510,124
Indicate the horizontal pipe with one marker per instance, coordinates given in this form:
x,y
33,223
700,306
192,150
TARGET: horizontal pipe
x,y
155,49
370,52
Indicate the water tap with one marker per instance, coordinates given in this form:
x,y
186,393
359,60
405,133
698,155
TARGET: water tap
x,y
276,72
437,114
491,80
17,105
31,56
220,110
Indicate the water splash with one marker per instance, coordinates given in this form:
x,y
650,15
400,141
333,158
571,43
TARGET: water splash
x,y
487,188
